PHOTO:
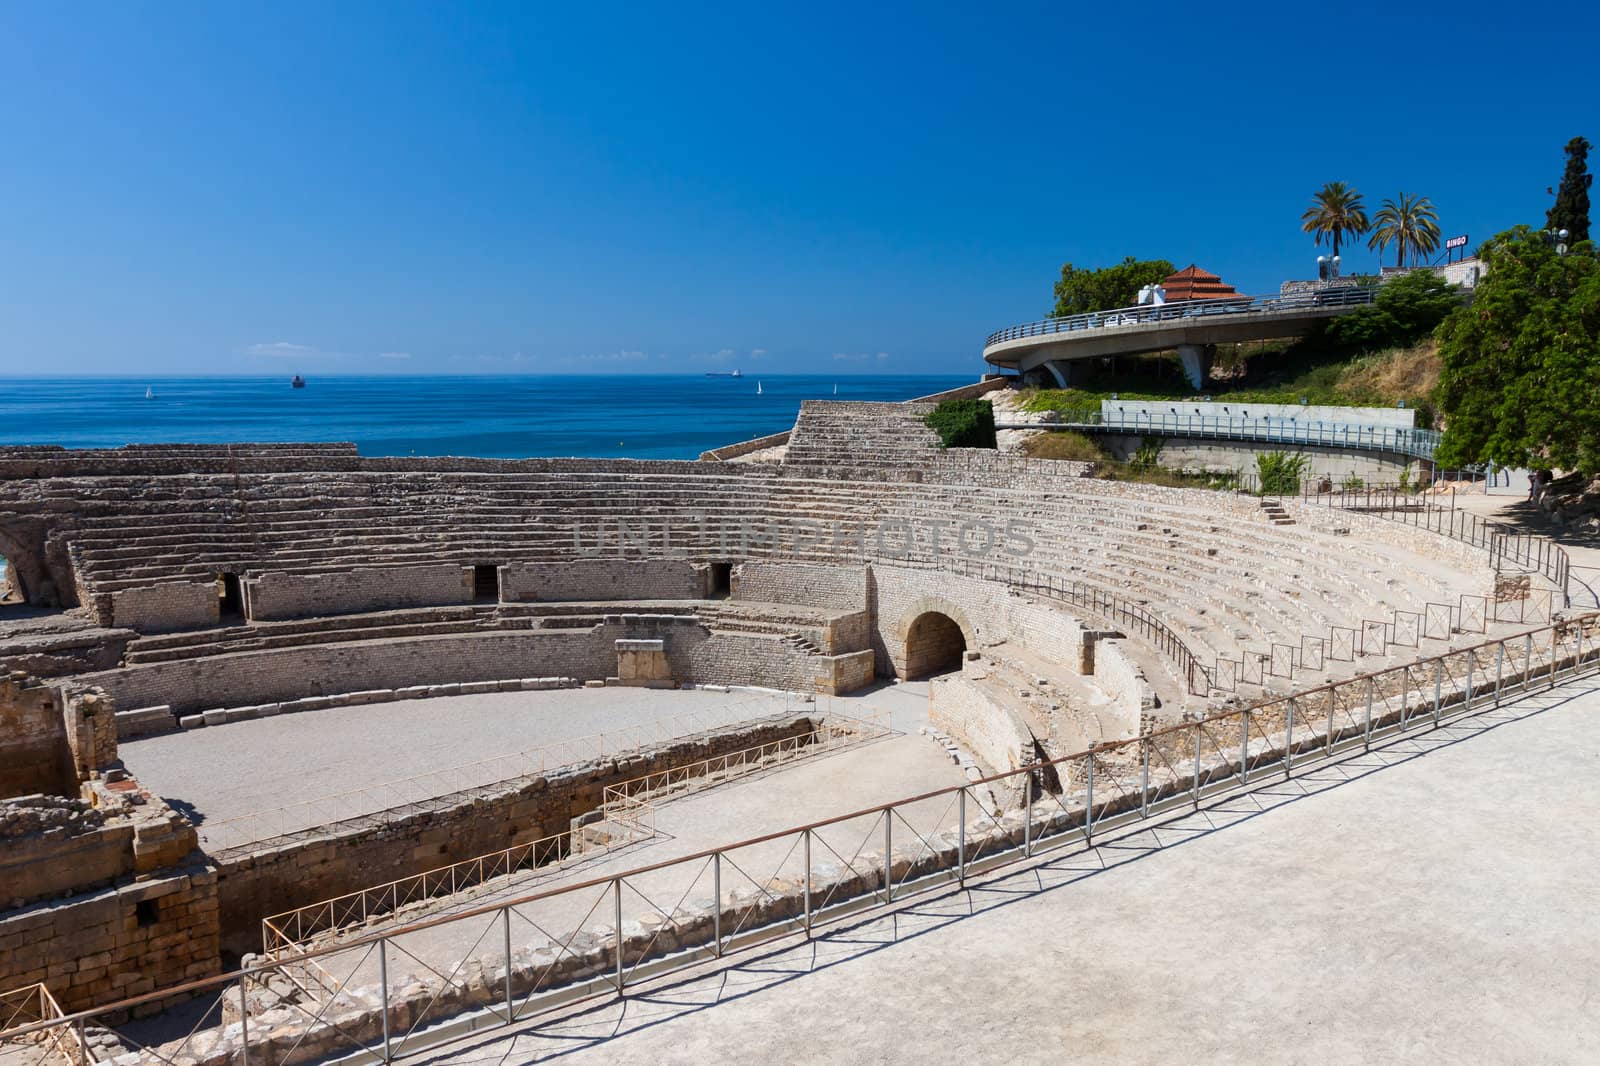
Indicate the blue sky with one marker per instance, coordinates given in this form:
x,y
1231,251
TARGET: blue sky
x,y
453,188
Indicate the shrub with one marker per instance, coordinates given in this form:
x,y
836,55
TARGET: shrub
x,y
963,423
1062,444
1280,472
1405,310
1353,484
1148,453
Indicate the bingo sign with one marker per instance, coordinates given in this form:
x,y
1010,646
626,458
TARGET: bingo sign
x,y
1453,243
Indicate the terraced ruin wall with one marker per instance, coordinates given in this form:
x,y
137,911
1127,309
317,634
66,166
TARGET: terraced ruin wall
x,y
841,588
697,656
34,755
602,579
274,596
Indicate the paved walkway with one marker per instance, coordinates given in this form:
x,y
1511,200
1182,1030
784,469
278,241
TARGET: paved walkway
x,y
243,768
1428,902
1582,548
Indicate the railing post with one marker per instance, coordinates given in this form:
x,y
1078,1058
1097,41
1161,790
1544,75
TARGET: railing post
x,y
1144,777
1466,697
1328,747
1027,821
1196,729
961,835
716,903
1288,739
1527,661
383,985
1366,725
807,836
511,1005
244,1021
1438,685
616,898
1088,801
83,1043
888,855
1244,747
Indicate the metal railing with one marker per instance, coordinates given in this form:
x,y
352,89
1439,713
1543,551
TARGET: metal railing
x,y
626,822
392,801
33,1005
1418,443
629,812
792,881
1507,549
1097,601
1186,310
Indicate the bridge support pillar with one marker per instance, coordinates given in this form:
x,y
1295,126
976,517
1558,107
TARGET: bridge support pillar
x,y
1196,359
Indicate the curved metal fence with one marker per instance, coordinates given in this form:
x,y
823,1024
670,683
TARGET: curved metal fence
x,y
1417,443
1182,310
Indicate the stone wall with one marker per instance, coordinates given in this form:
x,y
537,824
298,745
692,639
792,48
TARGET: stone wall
x,y
275,595
983,726
188,686
34,754
261,881
52,846
602,579
117,942
840,588
1336,464
160,608
1133,701
245,678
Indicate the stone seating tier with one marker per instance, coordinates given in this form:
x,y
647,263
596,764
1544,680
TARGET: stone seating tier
x,y
1209,564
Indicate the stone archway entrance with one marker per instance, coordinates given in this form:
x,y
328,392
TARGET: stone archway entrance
x,y
19,576
934,645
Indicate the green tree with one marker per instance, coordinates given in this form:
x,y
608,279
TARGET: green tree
x,y
1571,209
1520,380
1406,309
1336,213
1081,291
1411,223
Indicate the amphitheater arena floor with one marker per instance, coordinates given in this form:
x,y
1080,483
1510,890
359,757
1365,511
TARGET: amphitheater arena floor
x,y
244,768
1431,901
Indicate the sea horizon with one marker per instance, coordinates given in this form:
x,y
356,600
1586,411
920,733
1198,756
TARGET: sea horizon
x,y
492,416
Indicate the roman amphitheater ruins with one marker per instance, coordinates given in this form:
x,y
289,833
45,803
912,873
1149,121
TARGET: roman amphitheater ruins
x,y
310,756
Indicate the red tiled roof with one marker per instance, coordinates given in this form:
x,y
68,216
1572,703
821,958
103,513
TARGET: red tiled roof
x,y
1192,283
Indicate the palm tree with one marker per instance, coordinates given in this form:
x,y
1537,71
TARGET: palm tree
x,y
1336,212
1410,223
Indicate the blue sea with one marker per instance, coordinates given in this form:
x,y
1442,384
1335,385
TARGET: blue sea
x,y
675,417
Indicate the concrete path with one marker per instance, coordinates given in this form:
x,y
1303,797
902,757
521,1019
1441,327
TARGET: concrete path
x,y
1582,548
242,768
1428,902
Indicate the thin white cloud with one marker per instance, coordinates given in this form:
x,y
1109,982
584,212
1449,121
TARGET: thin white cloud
x,y
626,356
757,353
394,355
280,349
860,357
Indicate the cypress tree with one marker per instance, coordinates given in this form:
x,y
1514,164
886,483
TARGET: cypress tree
x,y
1571,210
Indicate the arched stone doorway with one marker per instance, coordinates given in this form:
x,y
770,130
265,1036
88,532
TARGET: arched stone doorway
x,y
18,576
934,645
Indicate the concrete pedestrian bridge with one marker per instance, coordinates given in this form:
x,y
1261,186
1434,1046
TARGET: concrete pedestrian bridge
x,y
1190,326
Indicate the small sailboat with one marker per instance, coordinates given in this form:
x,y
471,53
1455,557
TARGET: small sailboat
x,y
758,388
149,393
836,388
298,382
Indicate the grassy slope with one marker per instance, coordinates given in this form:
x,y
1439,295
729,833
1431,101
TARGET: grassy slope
x,y
1270,373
